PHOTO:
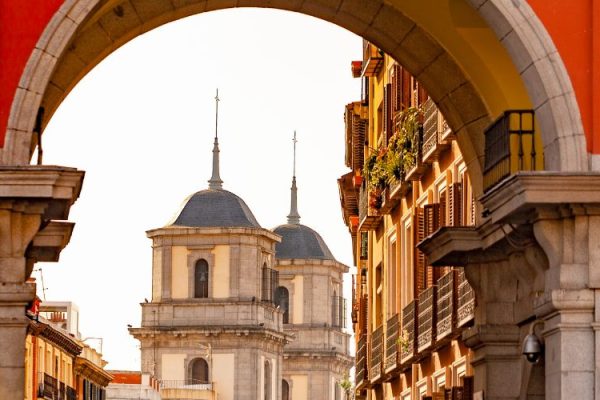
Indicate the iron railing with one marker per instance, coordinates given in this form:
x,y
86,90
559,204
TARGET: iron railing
x,y
391,342
510,147
409,327
368,216
361,362
427,323
376,354
446,302
466,300
195,384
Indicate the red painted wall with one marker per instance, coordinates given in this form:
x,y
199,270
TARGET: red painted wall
x,y
574,26
21,25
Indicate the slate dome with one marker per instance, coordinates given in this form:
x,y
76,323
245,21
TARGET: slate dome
x,y
300,241
215,208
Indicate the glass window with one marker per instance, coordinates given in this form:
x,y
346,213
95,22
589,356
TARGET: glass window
x,y
201,279
282,299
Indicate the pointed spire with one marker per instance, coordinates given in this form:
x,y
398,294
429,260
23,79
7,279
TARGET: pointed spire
x,y
215,181
294,217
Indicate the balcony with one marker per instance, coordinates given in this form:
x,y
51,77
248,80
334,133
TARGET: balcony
x,y
348,201
52,389
415,167
408,345
426,319
433,128
369,216
391,344
361,378
393,194
466,300
187,389
372,59
376,356
446,307
510,146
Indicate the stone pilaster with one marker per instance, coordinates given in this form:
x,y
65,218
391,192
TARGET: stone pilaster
x,y
30,197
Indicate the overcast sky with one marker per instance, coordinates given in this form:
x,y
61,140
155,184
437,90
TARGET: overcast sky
x,y
141,124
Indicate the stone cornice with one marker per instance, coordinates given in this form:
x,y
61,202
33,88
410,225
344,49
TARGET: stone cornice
x,y
92,372
49,242
207,331
54,336
310,262
60,186
528,196
212,231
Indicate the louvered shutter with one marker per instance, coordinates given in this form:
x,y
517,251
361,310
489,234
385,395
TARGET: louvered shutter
x,y
468,387
442,214
455,204
396,88
431,214
387,97
419,261
406,90
364,313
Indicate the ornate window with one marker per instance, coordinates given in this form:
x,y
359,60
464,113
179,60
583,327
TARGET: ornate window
x,y
198,372
282,299
201,279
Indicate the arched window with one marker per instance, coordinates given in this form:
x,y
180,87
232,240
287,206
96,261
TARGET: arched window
x,y
282,299
201,279
285,390
198,372
267,380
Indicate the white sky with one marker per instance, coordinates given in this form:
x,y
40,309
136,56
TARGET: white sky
x,y
141,124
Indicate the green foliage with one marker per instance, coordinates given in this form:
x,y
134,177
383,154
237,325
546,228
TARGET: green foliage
x,y
388,166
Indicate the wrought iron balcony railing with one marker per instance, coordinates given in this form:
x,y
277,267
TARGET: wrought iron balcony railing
x,y
427,321
466,300
369,216
446,306
361,363
372,59
433,128
510,146
408,345
392,343
376,355
416,167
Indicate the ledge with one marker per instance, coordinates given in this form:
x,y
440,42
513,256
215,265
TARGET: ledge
x,y
49,242
514,199
449,245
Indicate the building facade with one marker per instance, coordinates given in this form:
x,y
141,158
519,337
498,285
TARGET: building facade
x,y
310,295
58,363
408,180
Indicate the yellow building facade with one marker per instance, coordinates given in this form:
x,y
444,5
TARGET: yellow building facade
x,y
408,179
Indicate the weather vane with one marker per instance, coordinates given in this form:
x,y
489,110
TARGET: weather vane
x,y
295,141
217,114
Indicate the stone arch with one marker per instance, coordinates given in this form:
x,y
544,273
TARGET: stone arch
x,y
83,32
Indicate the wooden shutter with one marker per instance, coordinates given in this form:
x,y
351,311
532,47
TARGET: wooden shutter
x,y
396,88
432,218
364,313
468,387
442,221
388,112
406,89
419,257
455,204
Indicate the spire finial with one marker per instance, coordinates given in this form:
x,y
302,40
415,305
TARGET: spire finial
x,y
294,217
215,181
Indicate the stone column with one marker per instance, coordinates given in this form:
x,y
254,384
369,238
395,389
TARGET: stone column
x,y
567,306
30,197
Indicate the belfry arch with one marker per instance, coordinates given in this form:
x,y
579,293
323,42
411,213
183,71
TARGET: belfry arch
x,y
476,59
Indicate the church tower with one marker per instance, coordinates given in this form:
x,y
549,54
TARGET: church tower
x,y
212,327
310,294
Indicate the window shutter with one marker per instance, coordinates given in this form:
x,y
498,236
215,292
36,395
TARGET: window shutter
x,y
455,204
442,220
419,262
406,90
396,88
468,387
364,313
388,112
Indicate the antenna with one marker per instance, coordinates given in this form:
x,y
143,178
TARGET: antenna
x,y
295,141
294,217
217,114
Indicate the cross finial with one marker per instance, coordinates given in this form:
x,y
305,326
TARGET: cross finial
x,y
294,217
295,141
215,181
